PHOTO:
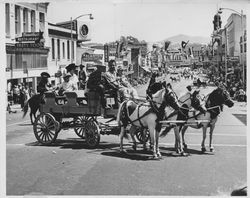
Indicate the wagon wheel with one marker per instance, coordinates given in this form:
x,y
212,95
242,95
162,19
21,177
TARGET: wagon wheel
x,y
138,134
80,131
46,128
92,134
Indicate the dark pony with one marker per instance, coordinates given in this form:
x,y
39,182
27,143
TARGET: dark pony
x,y
154,86
34,104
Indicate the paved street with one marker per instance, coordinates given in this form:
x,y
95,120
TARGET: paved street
x,y
68,167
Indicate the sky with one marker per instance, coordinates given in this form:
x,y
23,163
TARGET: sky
x,y
145,19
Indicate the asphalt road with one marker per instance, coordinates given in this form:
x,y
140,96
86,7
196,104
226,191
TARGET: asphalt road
x,y
68,167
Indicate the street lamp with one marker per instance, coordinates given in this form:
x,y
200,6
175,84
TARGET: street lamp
x,y
242,31
71,29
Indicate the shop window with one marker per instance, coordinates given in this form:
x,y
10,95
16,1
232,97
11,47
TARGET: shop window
x,y
53,48
33,21
73,49
241,48
68,50
58,49
245,47
25,20
41,21
63,46
17,20
7,19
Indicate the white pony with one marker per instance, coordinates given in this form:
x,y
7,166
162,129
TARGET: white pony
x,y
214,104
187,101
146,115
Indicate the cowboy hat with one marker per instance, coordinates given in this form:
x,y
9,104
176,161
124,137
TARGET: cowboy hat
x,y
70,67
45,75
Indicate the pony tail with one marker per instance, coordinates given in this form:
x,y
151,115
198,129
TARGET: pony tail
x,y
25,108
120,111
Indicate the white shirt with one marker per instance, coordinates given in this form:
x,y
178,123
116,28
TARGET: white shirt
x,y
74,80
68,86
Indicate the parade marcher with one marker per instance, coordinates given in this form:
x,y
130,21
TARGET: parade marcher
x,y
22,96
15,94
74,78
82,77
44,84
189,88
198,82
67,85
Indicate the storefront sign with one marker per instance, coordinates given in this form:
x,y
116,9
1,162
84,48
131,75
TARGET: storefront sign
x,y
31,34
29,45
29,38
91,57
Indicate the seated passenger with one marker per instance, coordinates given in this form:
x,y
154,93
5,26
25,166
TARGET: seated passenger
x,y
95,83
71,68
67,85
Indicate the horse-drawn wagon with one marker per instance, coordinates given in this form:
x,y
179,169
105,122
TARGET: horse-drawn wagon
x,y
74,110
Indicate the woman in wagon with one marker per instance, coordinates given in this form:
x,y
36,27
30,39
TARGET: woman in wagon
x,y
71,69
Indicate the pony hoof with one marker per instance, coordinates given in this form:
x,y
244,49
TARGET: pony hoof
x,y
203,150
212,149
184,154
134,147
159,156
185,146
155,156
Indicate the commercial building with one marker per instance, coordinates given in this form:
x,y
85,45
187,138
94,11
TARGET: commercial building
x,y
26,41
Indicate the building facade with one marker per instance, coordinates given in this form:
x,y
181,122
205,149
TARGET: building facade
x,y
26,41
62,51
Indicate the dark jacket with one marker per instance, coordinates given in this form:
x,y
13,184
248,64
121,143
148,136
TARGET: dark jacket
x,y
42,86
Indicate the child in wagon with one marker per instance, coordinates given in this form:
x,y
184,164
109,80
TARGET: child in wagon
x,y
67,85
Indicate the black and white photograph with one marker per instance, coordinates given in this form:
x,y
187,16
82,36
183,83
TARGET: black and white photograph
x,y
124,98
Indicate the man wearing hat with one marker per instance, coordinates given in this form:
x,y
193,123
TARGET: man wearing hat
x,y
67,85
71,69
44,84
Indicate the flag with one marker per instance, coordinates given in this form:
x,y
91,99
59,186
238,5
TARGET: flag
x,y
191,52
167,43
183,44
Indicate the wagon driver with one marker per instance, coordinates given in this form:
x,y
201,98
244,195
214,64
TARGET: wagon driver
x,y
44,85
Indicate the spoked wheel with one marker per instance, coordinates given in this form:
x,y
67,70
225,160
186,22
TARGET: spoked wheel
x,y
139,134
46,128
81,120
92,134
